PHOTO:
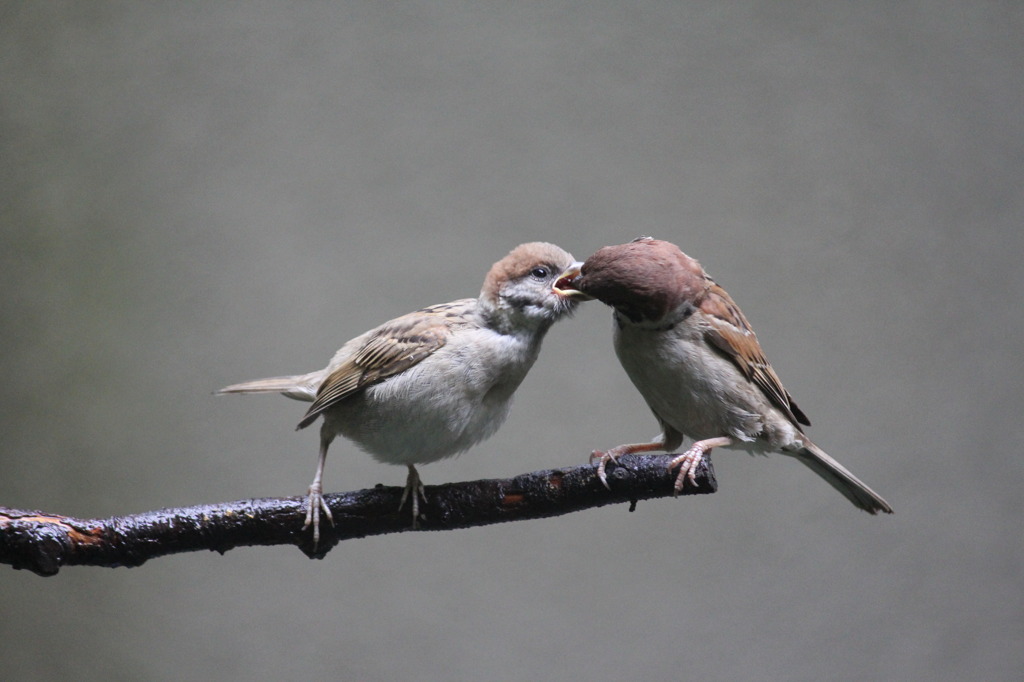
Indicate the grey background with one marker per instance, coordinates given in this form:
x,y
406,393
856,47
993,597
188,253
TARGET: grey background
x,y
194,195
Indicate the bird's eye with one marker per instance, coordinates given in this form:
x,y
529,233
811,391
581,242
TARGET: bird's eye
x,y
539,272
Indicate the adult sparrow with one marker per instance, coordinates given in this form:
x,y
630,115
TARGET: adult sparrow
x,y
432,383
695,359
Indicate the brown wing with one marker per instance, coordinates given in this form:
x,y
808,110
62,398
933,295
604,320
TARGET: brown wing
x,y
393,348
732,335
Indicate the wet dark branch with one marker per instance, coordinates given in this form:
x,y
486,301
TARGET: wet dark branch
x,y
43,543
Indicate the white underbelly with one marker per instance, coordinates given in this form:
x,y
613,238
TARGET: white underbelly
x,y
700,393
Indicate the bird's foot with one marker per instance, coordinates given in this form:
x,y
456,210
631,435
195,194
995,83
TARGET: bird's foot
x,y
613,455
415,490
687,463
690,460
314,505
603,457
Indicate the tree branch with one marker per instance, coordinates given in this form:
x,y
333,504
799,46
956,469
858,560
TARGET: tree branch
x,y
43,543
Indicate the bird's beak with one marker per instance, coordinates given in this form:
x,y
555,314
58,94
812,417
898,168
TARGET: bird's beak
x,y
567,283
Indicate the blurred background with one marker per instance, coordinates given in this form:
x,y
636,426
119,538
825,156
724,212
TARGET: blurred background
x,y
199,194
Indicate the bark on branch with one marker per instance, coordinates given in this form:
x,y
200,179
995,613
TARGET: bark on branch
x,y
43,542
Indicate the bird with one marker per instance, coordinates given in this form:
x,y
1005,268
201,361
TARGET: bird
x,y
432,383
692,355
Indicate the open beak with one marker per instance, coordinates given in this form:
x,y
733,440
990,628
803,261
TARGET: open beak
x,y
567,283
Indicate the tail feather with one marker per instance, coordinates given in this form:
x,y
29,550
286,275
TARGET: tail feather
x,y
842,480
301,387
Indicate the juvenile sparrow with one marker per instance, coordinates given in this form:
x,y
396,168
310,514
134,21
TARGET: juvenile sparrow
x,y
693,356
432,383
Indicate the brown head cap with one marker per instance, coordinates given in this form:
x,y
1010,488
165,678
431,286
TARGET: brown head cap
x,y
645,279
